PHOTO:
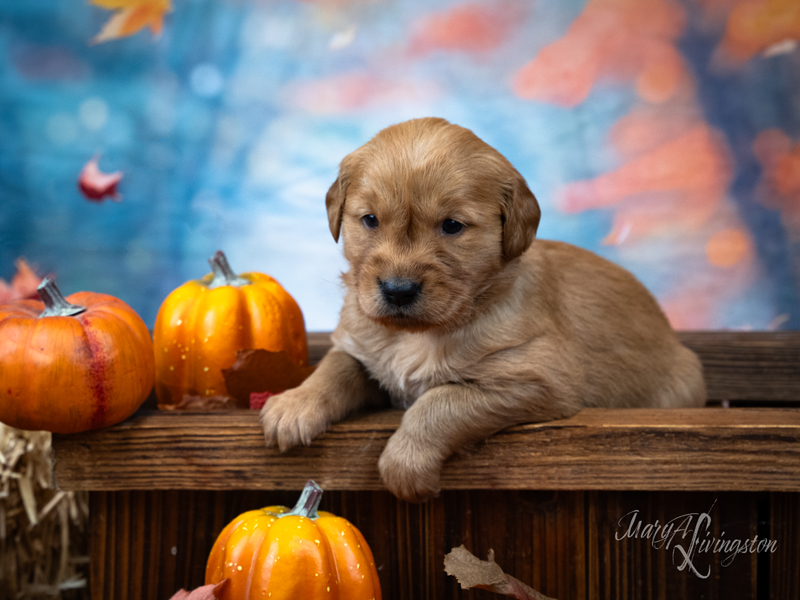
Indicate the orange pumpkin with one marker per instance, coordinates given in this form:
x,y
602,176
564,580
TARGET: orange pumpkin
x,y
285,555
202,324
72,364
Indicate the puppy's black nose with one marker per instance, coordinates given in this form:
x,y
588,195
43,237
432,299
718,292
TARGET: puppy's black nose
x,y
399,292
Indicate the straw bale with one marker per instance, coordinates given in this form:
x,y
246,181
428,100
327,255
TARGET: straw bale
x,y
43,532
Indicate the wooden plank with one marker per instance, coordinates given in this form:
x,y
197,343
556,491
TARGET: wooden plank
x,y
782,569
567,544
757,366
408,541
626,562
318,344
101,543
633,449
754,365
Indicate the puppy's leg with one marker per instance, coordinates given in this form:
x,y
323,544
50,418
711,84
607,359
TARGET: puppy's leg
x,y
338,386
442,421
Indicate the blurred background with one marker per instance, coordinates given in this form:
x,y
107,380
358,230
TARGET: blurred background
x,y
661,134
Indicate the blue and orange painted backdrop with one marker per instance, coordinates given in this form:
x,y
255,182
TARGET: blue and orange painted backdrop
x,y
662,134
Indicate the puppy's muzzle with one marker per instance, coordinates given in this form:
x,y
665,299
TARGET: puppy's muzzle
x,y
399,292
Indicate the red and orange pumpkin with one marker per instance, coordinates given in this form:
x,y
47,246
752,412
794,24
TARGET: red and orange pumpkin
x,y
202,324
280,554
72,364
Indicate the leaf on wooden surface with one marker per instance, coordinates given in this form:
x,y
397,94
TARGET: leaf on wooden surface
x,y
203,403
206,592
472,572
262,371
259,399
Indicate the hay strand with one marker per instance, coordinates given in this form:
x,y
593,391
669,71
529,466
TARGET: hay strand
x,y
43,531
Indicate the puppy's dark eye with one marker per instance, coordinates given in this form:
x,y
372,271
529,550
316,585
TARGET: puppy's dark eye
x,y
451,227
370,221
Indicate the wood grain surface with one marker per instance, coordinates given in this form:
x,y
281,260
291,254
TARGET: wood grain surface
x,y
570,545
550,499
747,449
755,366
758,366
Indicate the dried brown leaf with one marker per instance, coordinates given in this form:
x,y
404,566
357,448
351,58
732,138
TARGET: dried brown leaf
x,y
472,572
257,371
204,403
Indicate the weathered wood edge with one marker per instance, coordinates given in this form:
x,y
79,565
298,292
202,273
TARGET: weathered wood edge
x,y
753,366
709,449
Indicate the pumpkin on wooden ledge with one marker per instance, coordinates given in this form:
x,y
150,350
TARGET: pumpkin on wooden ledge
x,y
203,324
284,554
72,364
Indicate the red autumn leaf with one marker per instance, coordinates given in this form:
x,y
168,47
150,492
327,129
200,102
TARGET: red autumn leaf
x,y
259,399
96,185
617,40
206,592
466,27
23,285
262,371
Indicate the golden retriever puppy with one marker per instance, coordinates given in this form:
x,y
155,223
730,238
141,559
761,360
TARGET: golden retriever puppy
x,y
454,312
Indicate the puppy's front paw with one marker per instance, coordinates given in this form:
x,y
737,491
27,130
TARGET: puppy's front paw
x,y
410,471
292,418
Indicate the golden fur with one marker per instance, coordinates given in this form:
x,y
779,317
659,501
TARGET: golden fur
x,y
503,330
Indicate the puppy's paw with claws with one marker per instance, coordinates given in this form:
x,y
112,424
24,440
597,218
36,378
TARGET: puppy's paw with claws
x,y
292,418
410,471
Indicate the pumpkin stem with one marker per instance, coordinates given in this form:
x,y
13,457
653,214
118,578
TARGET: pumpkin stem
x,y
308,503
223,274
55,304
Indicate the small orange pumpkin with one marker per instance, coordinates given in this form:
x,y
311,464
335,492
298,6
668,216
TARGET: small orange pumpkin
x,y
280,554
203,324
72,364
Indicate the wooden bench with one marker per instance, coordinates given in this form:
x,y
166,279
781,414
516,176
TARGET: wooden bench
x,y
557,501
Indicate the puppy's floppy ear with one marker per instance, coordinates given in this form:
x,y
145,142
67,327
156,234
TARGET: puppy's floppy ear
x,y
334,200
520,213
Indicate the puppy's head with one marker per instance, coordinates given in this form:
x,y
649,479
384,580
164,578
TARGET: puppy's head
x,y
430,217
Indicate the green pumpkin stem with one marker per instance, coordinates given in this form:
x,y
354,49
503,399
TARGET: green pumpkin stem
x,y
55,304
308,503
223,274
